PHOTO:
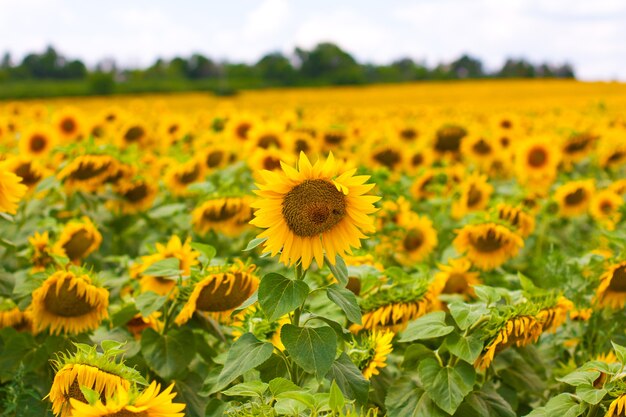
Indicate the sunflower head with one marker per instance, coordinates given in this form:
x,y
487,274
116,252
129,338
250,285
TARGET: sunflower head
x,y
417,238
448,139
605,208
29,169
12,316
370,351
574,197
518,218
11,190
87,172
487,245
41,251
37,141
456,278
180,176
135,195
474,196
612,289
228,215
253,320
313,210
78,239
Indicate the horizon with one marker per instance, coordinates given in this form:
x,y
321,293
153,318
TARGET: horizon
x,y
586,36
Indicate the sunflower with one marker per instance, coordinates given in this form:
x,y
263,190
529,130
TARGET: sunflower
x,y
68,123
536,161
393,307
618,186
310,210
456,278
12,316
173,129
580,314
424,185
574,197
69,303
370,353
605,208
522,222
475,192
239,128
418,157
90,369
216,156
27,168
37,141
448,139
487,245
253,320
180,176
388,155
418,238
149,403
228,215
335,138
78,239
135,195
577,147
302,140
11,190
42,251
481,150
611,152
612,289
554,316
266,136
87,172
519,330
174,248
268,159
134,132
617,407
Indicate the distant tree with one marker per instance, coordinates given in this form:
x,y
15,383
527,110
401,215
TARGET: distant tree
x,y
199,67
276,69
6,62
329,63
467,67
517,68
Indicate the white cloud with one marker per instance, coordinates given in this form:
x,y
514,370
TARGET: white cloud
x,y
267,19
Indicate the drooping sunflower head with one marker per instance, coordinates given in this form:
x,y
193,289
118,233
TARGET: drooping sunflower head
x,y
131,403
12,316
578,146
37,141
612,289
370,352
487,245
11,190
135,195
448,139
574,197
456,278
220,293
554,313
180,176
78,239
29,169
519,219
611,152
253,320
474,196
99,372
312,210
417,238
228,215
69,303
87,172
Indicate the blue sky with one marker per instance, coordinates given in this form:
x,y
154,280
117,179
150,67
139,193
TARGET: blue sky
x,y
590,34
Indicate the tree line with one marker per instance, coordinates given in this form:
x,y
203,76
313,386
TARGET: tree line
x,y
325,64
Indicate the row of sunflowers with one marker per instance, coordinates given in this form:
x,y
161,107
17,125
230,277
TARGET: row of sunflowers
x,y
179,257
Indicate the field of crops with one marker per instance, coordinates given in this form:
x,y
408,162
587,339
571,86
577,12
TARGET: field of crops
x,y
411,250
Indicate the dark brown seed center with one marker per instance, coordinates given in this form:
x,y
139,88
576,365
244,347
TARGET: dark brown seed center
x,y
388,158
137,193
37,143
68,125
408,134
449,138
67,303
224,213
190,176
482,147
214,159
456,284
29,177
88,171
242,130
413,240
214,297
271,163
474,196
266,141
618,280
79,243
134,134
313,207
488,243
537,157
575,198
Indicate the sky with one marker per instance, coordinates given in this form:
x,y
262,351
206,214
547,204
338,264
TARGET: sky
x,y
590,34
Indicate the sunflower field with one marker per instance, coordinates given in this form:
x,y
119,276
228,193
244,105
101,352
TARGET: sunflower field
x,y
426,249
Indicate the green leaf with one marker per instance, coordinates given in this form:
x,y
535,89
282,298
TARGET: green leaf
x,y
486,402
201,187
124,315
466,314
580,377
312,348
167,210
430,326
486,294
90,395
148,302
254,243
591,395
280,385
467,348
279,295
349,379
407,398
620,352
251,300
564,405
339,270
414,354
447,386
346,300
303,397
189,394
336,401
207,250
246,353
247,389
168,355
289,407
164,268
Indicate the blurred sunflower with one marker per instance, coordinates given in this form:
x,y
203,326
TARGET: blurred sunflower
x,y
174,248
617,407
611,152
267,136
41,251
69,303
134,132
78,239
522,222
577,147
417,158
11,190
29,169
574,197
417,240
228,215
254,320
389,155
135,195
480,150
268,159
239,127
475,192
605,208
553,316
151,402
90,369
138,323
68,123
536,161
519,330
87,172
220,293
309,210
456,278
216,156
371,351
612,289
448,140
37,141
487,245
12,316
302,140
180,176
